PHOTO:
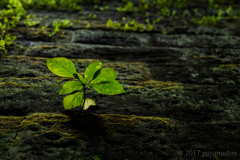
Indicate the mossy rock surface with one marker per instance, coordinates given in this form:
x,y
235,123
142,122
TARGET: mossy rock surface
x,y
182,88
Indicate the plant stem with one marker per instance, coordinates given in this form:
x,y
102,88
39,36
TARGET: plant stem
x,y
84,96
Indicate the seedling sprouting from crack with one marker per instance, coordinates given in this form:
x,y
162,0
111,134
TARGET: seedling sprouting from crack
x,y
101,79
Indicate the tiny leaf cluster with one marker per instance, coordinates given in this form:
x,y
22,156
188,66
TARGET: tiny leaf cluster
x,y
57,25
209,20
131,25
8,20
101,79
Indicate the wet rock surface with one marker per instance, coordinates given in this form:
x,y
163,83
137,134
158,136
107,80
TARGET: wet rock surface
x,y
181,100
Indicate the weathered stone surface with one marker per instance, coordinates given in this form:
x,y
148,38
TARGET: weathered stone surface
x,y
48,136
181,102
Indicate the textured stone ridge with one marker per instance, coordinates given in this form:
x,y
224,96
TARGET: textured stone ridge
x,y
182,89
85,135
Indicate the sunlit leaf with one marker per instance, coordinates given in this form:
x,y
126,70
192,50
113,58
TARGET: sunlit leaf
x,y
72,100
91,69
109,88
61,66
70,86
88,102
104,74
79,77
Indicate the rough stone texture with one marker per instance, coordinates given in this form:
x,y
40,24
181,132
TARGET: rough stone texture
x,y
181,101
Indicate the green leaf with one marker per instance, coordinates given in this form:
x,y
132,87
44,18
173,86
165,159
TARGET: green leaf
x,y
109,23
72,100
79,77
104,74
2,44
70,86
108,88
91,69
88,102
61,66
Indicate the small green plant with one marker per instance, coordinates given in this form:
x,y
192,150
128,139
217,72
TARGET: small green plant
x,y
164,32
195,11
186,12
232,15
143,5
174,12
65,23
42,31
158,20
43,28
29,22
101,79
209,20
9,39
180,4
5,39
132,25
92,16
129,7
2,33
112,25
2,46
150,27
165,11
69,5
48,4
57,25
104,8
13,14
147,21
211,5
10,18
88,25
